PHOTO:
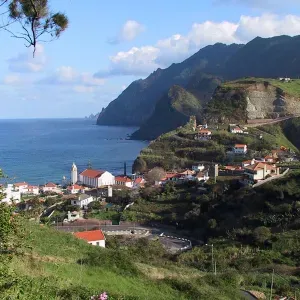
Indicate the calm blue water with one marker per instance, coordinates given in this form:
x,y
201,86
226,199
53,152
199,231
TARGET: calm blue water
x,y
39,151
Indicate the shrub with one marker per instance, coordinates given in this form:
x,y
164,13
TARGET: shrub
x,y
261,234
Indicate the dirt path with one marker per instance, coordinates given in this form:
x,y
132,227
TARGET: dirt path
x,y
272,121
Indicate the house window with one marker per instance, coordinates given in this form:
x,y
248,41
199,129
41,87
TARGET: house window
x,y
97,243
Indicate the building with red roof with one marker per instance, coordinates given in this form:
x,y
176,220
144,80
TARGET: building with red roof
x,y
96,178
75,189
139,182
51,187
93,237
240,149
124,180
259,171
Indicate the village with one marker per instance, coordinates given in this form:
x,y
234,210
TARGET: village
x,y
98,186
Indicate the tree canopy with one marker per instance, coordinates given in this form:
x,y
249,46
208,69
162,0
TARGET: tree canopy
x,y
35,20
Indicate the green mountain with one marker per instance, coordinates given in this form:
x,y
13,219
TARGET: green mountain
x,y
136,103
176,106
178,149
262,57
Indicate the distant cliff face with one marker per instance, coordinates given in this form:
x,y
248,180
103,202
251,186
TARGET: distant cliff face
x,y
244,100
177,105
262,57
137,103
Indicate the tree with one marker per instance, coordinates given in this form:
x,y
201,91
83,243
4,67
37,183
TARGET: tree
x,y
261,234
155,174
35,20
139,165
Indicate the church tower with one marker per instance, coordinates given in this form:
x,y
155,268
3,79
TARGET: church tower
x,y
74,176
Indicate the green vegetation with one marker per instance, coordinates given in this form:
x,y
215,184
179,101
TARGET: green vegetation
x,y
179,149
291,88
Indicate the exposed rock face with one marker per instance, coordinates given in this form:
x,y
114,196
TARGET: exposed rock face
x,y
267,101
249,100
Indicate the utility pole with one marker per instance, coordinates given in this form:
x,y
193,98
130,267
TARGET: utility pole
x,y
272,282
215,268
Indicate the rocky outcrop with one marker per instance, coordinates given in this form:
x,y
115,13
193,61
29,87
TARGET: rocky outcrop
x,y
244,100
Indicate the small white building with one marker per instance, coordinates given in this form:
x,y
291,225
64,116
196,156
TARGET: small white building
x,y
74,174
95,178
204,134
10,194
124,180
22,187
259,171
93,237
198,168
240,149
32,190
82,200
202,176
139,182
75,189
51,187
236,129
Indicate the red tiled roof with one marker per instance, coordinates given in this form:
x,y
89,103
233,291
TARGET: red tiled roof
x,y
50,184
204,131
90,236
240,146
92,173
74,187
123,179
261,166
18,184
31,187
139,180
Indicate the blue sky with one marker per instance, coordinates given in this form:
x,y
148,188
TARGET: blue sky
x,y
111,43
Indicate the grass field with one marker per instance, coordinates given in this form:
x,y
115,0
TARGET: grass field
x,y
292,88
52,266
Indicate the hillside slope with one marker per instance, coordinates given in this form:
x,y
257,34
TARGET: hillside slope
x,y
136,104
254,98
175,107
261,57
56,265
178,149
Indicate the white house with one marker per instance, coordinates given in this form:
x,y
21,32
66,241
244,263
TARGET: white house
x,y
93,237
198,168
236,129
75,189
204,134
124,180
247,163
240,149
10,194
32,190
82,200
139,182
22,187
51,187
95,178
74,174
259,171
202,176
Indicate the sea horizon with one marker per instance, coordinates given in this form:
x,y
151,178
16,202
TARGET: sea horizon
x,y
42,150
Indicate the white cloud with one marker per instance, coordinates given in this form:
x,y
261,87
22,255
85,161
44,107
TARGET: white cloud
x,y
82,82
129,31
12,79
25,62
143,60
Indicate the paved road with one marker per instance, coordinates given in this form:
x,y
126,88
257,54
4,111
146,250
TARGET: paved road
x,y
172,243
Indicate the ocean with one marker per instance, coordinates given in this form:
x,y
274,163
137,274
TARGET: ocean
x,y
42,150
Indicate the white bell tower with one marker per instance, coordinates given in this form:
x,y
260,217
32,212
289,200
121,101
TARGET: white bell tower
x,y
74,176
